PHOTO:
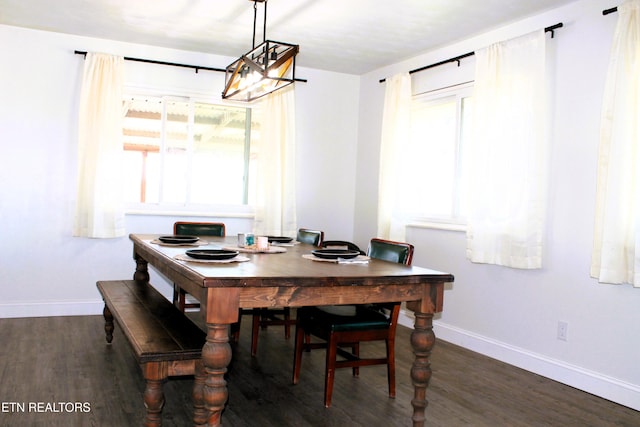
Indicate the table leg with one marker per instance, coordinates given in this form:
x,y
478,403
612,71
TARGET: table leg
x,y
142,269
216,356
200,415
422,342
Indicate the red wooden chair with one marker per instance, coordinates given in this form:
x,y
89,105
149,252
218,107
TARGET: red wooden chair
x,y
264,317
343,327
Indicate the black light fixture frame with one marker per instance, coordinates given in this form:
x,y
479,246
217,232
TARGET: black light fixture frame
x,y
261,61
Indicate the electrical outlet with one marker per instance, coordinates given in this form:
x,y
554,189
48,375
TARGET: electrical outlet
x,y
562,330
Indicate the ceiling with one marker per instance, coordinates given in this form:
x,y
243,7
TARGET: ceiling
x,y
349,36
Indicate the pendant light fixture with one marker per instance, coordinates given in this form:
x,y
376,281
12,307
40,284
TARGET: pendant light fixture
x,y
265,68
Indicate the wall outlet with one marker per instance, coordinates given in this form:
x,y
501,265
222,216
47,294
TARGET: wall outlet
x,y
562,330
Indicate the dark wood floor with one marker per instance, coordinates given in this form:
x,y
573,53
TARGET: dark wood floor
x,y
59,360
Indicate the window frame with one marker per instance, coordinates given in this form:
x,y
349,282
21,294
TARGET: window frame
x,y
244,210
457,221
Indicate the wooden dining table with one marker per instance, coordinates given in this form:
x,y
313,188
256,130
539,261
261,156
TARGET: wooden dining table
x,y
289,279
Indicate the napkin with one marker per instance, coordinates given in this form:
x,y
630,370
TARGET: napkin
x,y
357,260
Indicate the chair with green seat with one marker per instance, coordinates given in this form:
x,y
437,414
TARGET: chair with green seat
x,y
264,317
341,244
344,327
199,228
311,237
186,228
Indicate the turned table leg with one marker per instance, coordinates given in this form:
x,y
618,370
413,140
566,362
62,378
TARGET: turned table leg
x,y
108,323
422,342
142,270
216,356
200,413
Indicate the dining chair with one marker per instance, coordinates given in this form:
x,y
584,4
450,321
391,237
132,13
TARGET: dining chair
x,y
186,228
311,237
199,228
341,244
264,317
343,328
337,244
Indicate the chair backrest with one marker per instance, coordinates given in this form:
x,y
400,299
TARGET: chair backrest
x,y
341,244
389,250
199,228
312,237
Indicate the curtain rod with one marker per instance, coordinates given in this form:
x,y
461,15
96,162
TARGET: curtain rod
x,y
174,64
151,61
457,59
608,11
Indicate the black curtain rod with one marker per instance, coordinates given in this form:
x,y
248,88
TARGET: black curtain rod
x,y
151,61
457,59
608,11
174,64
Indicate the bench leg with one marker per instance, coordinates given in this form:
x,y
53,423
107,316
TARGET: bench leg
x,y
108,323
153,401
155,374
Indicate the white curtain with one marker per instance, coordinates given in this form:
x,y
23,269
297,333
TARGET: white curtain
x,y
616,249
99,205
396,128
275,207
507,158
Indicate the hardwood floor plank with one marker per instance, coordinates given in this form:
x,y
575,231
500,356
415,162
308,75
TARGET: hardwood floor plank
x,y
66,359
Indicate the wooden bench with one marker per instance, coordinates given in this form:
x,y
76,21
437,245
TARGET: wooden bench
x,y
165,342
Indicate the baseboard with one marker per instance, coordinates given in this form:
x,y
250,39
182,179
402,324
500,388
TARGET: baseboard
x,y
67,308
50,309
597,384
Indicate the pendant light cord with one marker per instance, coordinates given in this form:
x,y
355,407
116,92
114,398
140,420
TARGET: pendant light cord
x,y
255,14
255,20
264,25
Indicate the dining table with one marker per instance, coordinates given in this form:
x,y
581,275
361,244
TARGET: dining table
x,y
289,276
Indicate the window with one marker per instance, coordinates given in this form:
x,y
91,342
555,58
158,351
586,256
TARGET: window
x,y
440,122
183,153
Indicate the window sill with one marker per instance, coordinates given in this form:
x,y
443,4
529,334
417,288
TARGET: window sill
x,y
434,225
240,211
193,214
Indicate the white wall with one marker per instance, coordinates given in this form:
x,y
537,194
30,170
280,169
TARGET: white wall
x,y
328,116
508,314
43,270
512,314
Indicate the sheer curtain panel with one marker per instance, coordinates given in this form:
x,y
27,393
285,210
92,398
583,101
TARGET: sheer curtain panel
x,y
507,158
99,205
275,208
616,248
396,124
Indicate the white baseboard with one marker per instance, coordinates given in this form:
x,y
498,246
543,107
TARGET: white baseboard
x,y
595,383
50,309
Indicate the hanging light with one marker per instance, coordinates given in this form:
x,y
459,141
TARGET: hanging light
x,y
265,68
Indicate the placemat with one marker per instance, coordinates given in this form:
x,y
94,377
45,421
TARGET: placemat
x,y
360,259
253,250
